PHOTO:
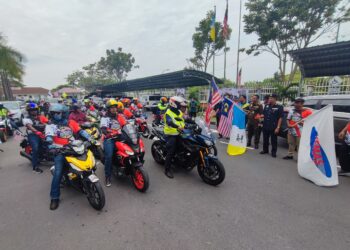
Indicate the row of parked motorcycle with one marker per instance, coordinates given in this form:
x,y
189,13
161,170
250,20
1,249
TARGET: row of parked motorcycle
x,y
197,149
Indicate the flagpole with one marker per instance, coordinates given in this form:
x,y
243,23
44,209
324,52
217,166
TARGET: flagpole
x,y
214,43
239,40
225,48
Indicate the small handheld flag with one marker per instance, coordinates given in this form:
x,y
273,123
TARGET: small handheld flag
x,y
214,99
238,138
225,124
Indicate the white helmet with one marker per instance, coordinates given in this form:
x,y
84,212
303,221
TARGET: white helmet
x,y
177,102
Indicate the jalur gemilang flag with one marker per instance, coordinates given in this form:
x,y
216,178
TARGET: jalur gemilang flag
x,y
316,158
238,138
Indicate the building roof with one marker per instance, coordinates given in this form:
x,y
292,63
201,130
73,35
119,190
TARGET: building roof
x,y
30,91
178,79
70,91
325,60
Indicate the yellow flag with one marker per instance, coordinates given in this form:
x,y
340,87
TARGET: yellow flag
x,y
212,28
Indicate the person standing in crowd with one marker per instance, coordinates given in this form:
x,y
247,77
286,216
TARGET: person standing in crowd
x,y
254,112
344,156
217,109
243,102
193,108
295,122
236,100
273,114
266,100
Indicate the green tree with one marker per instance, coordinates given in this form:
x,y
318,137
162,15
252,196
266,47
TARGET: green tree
x,y
204,47
75,78
11,67
114,67
285,92
117,64
284,25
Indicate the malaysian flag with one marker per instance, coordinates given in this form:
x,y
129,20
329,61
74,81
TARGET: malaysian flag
x,y
225,124
214,99
225,29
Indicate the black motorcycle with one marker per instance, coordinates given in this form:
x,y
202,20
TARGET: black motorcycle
x,y
194,150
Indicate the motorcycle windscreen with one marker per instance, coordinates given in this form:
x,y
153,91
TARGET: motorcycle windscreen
x,y
130,131
205,130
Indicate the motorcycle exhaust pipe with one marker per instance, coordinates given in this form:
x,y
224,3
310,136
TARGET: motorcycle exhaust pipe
x,y
25,155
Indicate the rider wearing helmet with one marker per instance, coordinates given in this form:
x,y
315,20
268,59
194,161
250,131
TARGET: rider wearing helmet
x,y
110,126
122,108
173,125
57,134
88,105
3,111
77,115
135,105
35,124
161,109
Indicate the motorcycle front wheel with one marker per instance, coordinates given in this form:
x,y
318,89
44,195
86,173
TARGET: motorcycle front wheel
x,y
3,137
156,147
95,195
140,179
146,132
212,174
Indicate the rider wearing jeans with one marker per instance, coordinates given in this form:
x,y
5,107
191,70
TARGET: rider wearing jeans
x,y
57,134
35,125
110,126
173,124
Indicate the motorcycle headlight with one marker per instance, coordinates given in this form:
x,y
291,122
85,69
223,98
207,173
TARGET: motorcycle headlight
x,y
79,149
129,152
208,143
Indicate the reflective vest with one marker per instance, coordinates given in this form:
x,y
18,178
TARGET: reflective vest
x,y
162,107
179,122
3,112
245,105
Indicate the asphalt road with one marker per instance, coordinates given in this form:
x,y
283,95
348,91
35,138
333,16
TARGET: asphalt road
x,y
262,204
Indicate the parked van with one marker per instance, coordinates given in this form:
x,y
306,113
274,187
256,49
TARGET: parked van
x,y
150,101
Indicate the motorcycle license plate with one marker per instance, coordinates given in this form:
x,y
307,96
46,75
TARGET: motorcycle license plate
x,y
93,178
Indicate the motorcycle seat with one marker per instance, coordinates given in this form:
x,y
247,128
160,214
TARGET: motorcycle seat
x,y
86,125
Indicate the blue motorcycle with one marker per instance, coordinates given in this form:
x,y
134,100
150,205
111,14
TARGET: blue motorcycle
x,y
194,150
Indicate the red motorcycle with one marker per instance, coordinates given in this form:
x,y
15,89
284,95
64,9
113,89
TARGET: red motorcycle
x,y
129,157
142,126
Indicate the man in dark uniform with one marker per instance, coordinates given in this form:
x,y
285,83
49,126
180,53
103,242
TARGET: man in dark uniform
x,y
273,114
254,112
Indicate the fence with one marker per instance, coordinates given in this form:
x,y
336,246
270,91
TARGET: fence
x,y
310,87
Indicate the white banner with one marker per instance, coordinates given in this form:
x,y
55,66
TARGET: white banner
x,y
316,158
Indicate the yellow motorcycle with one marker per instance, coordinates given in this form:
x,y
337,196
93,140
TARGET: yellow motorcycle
x,y
80,172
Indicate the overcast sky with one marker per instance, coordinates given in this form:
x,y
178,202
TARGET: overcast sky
x,y
59,37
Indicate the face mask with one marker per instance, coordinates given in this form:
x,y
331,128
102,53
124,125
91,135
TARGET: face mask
x,y
57,117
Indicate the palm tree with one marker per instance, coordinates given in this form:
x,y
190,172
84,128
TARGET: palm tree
x,y
11,67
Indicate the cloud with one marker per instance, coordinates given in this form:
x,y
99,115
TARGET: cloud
x,y
59,37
